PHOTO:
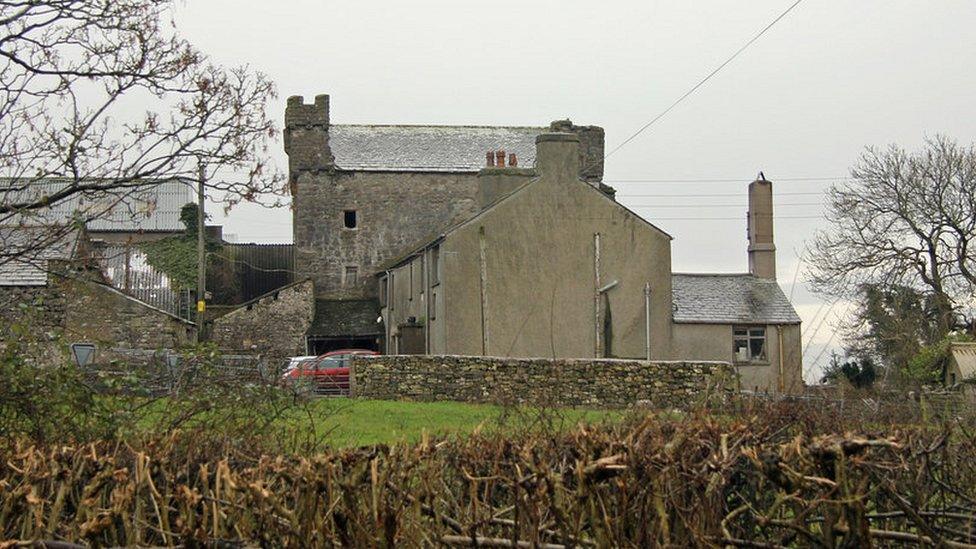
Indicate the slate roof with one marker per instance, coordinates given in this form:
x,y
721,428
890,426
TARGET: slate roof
x,y
730,299
428,148
154,208
345,318
38,248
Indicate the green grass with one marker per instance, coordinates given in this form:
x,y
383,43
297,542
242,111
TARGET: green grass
x,y
353,422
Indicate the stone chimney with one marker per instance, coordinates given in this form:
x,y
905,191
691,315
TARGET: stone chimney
x,y
557,156
762,250
591,139
306,135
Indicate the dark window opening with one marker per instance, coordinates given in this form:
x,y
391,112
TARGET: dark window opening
x,y
749,344
383,283
349,219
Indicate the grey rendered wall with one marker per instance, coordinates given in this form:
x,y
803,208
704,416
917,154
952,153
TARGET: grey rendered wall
x,y
714,342
539,251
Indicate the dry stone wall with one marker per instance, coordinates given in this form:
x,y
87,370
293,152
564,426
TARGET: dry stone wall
x,y
561,382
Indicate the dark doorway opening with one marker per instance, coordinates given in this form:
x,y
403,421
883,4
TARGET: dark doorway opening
x,y
318,346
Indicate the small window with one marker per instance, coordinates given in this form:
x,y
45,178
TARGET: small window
x,y
350,276
391,295
349,220
423,283
749,343
410,290
435,264
383,283
433,305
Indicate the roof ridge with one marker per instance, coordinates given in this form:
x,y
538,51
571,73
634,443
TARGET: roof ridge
x,y
479,126
718,274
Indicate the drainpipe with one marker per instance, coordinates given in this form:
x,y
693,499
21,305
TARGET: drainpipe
x,y
483,260
388,321
427,298
779,334
647,319
598,344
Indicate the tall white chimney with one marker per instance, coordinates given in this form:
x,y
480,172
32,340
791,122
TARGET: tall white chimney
x,y
762,250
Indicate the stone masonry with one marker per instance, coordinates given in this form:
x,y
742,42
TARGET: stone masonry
x,y
70,310
395,211
97,313
561,382
273,325
396,208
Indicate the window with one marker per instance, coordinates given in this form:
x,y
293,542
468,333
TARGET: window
x,y
749,343
423,283
350,275
433,305
383,283
349,220
410,291
435,265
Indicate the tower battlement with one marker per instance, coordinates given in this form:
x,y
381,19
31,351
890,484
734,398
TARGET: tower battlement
x,y
306,135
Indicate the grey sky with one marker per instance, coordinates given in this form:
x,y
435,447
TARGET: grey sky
x,y
803,101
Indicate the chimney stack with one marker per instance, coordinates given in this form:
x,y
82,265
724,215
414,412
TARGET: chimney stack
x,y
557,156
762,250
500,159
489,159
512,161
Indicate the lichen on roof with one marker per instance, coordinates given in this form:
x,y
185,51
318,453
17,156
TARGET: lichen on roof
x,y
730,299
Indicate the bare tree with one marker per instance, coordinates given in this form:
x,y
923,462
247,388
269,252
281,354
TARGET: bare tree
x,y
107,99
906,219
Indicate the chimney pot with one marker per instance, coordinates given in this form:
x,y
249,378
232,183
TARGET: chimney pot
x,y
489,159
500,158
512,161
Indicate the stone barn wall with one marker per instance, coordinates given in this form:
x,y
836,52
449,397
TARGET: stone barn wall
x,y
560,382
100,314
273,325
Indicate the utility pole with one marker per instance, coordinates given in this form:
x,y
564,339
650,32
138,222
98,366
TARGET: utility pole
x,y
201,254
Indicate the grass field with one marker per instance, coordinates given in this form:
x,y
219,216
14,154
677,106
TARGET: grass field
x,y
350,422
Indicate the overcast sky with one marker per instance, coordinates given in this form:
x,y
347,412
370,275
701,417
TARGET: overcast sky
x,y
802,102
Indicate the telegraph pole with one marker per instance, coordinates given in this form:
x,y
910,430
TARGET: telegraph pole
x,y
201,254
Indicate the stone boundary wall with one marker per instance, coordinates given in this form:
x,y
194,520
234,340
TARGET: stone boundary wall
x,y
560,382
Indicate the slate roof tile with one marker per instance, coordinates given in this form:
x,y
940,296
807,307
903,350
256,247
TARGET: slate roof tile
x,y
730,299
27,253
428,148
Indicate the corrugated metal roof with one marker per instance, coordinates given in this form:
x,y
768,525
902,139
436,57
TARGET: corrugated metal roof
x,y
428,148
730,299
153,208
27,253
965,356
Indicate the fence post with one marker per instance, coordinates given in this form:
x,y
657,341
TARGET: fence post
x,y
352,377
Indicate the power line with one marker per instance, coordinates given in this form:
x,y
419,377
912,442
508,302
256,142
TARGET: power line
x,y
703,80
740,218
729,180
702,195
719,205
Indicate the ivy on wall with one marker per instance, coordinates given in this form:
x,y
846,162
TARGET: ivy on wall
x,y
176,256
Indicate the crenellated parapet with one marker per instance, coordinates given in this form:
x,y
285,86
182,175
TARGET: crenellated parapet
x,y
306,135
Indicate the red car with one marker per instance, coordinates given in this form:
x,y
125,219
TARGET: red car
x,y
326,374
